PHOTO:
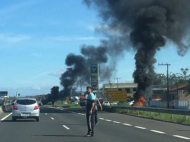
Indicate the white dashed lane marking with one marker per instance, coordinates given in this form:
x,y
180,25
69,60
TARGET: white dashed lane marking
x,y
139,127
126,124
107,120
101,118
66,127
45,113
156,131
6,116
182,137
116,122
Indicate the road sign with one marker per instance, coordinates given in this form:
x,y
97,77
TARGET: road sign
x,y
3,93
94,76
116,96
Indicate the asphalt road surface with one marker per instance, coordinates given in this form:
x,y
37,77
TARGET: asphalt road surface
x,y
58,125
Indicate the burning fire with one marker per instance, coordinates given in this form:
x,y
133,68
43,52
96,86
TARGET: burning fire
x,y
139,102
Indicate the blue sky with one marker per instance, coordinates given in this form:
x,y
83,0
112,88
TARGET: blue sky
x,y
37,35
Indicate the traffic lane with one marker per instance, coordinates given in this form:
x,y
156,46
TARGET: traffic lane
x,y
169,128
48,129
110,131
51,130
77,126
3,115
29,131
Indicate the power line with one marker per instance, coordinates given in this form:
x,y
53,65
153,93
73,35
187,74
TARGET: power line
x,y
117,78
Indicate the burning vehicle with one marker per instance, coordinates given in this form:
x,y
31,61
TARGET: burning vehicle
x,y
140,101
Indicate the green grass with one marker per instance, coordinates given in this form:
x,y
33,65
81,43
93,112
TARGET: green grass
x,y
151,115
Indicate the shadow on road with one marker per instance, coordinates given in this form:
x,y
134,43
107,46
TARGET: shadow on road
x,y
58,135
19,121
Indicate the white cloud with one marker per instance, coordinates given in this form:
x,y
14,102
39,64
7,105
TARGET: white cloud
x,y
88,26
14,38
36,87
57,73
79,38
14,7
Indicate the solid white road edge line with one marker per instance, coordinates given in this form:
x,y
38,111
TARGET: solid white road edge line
x,y
182,137
6,116
52,118
66,127
139,127
160,132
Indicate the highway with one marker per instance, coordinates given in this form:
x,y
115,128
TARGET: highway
x,y
58,124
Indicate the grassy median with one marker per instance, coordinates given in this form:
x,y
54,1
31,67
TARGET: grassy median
x,y
181,119
60,104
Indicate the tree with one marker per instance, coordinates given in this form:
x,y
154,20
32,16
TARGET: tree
x,y
184,71
174,78
160,80
54,93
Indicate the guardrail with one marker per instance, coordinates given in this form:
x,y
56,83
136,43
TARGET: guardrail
x,y
158,110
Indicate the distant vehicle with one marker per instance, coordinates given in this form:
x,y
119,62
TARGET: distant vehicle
x,y
131,103
24,108
40,103
82,100
106,103
76,103
113,103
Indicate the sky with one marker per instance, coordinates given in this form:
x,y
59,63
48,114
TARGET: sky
x,y
37,35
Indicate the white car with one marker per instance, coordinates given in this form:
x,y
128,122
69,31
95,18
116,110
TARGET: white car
x,y
106,103
24,108
131,103
114,103
76,103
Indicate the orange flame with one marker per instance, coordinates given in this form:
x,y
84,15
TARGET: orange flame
x,y
140,101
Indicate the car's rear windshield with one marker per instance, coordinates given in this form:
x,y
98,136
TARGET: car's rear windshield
x,y
25,102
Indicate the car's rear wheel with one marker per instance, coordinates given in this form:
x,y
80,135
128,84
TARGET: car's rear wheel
x,y
37,119
13,119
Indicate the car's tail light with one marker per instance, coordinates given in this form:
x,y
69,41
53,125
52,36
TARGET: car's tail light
x,y
15,107
36,107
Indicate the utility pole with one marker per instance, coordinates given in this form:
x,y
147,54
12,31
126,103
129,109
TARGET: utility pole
x,y
110,85
166,64
80,83
117,78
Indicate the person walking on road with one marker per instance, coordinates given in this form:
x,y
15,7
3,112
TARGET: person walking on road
x,y
97,102
90,109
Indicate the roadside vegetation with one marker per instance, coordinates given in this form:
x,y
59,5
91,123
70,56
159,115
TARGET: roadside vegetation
x,y
61,104
181,119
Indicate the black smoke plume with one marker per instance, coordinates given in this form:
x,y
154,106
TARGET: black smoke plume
x,y
148,24
78,70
